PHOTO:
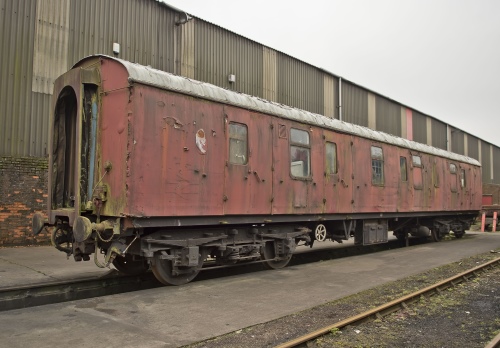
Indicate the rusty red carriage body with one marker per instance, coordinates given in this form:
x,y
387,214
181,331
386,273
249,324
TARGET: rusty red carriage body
x,y
154,168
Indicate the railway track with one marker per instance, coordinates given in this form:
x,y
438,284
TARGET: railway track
x,y
112,283
395,305
61,291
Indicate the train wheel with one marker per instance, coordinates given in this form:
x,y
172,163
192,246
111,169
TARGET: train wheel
x,y
320,233
130,266
401,236
164,270
436,236
270,255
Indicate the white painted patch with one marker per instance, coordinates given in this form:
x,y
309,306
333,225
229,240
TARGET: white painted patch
x,y
201,141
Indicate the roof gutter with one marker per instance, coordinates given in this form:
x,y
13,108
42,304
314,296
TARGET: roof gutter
x,y
183,16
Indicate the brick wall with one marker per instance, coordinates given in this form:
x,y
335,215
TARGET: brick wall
x,y
23,191
494,191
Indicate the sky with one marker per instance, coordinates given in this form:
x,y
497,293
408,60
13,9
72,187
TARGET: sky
x,y
440,57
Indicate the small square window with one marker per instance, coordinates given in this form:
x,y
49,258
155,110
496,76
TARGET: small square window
x,y
403,168
331,158
377,165
300,154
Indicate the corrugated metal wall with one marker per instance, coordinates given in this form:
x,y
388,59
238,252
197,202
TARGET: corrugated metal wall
x,y
496,165
388,116
419,127
486,162
472,146
18,112
457,141
331,96
270,74
299,85
439,136
44,38
39,39
354,104
219,53
144,29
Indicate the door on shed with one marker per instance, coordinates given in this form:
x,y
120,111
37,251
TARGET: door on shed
x,y
248,172
337,171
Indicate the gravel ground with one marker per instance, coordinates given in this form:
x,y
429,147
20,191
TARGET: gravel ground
x,y
466,316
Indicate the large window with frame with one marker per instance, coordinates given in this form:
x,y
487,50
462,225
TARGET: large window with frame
x,y
331,158
417,172
300,153
238,143
377,165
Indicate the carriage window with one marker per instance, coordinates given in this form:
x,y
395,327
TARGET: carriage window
x,y
377,165
453,177
238,143
463,182
417,172
331,158
300,153
402,169
435,175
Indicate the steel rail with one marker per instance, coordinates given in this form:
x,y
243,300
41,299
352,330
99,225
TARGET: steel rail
x,y
392,306
61,291
494,343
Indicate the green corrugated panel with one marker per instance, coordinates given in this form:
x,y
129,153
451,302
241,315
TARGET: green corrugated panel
x,y
496,165
439,136
419,127
472,147
388,116
486,162
354,104
17,22
219,53
457,141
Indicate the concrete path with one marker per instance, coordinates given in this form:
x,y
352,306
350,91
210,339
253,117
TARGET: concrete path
x,y
175,316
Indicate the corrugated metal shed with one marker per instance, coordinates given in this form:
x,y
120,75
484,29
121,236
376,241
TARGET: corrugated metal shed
x,y
17,34
496,164
419,127
388,116
439,134
45,37
299,85
219,53
354,104
473,147
144,29
331,96
486,162
457,141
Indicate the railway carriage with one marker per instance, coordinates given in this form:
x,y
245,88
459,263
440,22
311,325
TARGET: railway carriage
x,y
160,171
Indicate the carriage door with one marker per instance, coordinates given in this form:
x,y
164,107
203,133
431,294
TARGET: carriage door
x,y
418,181
337,171
63,156
404,192
248,172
